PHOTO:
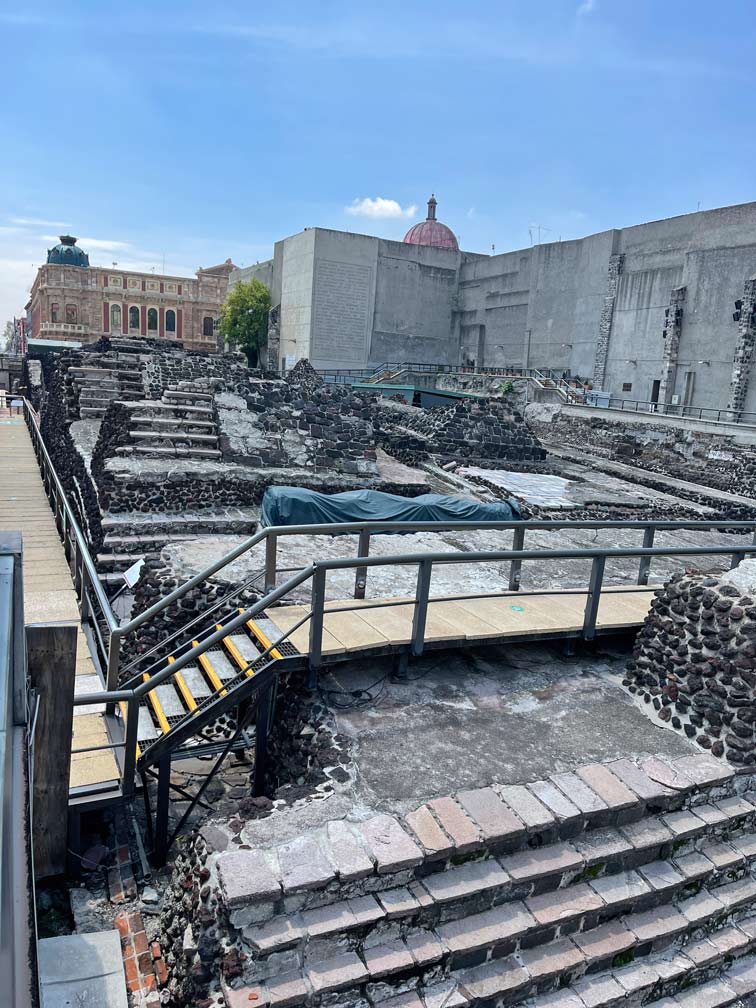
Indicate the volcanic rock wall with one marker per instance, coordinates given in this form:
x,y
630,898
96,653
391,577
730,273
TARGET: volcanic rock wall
x,y
694,663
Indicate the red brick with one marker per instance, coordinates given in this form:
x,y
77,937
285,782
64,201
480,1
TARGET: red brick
x,y
135,922
134,986
145,962
130,968
157,952
162,972
140,942
122,923
127,947
123,855
148,982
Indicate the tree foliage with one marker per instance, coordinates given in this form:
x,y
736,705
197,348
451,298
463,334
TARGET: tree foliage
x,y
244,317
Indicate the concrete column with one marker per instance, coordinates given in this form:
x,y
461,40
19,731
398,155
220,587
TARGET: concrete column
x,y
616,263
672,333
741,365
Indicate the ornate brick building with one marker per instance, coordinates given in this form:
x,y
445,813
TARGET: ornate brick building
x,y
72,301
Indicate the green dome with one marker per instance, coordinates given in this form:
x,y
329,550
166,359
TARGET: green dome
x,y
67,253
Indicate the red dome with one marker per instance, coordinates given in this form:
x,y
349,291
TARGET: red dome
x,y
431,231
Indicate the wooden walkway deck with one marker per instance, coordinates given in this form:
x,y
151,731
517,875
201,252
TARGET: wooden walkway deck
x,y
49,594
510,616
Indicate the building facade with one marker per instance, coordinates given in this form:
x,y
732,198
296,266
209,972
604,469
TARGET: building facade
x,y
658,312
72,301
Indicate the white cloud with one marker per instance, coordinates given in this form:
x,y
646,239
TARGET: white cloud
x,y
106,244
586,7
471,213
36,222
379,207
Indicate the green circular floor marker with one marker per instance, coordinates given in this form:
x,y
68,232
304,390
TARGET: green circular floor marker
x,y
517,608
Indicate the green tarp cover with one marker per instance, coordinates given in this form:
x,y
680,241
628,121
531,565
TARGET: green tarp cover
x,y
288,505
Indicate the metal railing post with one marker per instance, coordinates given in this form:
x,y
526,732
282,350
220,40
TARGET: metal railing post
x,y
315,659
736,558
420,616
594,597
645,561
114,658
128,784
271,549
360,575
515,566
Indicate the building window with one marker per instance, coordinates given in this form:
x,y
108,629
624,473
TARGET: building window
x,y
627,386
152,319
71,314
114,281
170,287
170,320
115,318
133,317
153,285
207,326
55,312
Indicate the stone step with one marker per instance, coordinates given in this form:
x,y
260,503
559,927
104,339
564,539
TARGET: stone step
x,y
92,412
184,394
504,819
203,453
161,409
139,544
163,436
209,521
171,423
700,933
117,561
481,905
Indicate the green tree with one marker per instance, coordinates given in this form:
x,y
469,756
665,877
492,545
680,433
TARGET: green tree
x,y
7,336
244,317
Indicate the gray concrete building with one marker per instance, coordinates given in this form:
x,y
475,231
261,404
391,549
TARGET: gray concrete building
x,y
647,311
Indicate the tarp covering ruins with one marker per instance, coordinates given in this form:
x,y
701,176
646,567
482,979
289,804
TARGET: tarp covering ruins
x,y
290,505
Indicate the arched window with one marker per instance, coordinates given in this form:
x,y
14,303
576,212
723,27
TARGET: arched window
x,y
170,320
133,317
152,319
115,318
207,325
71,314
55,312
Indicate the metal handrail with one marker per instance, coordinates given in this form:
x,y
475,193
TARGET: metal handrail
x,y
88,583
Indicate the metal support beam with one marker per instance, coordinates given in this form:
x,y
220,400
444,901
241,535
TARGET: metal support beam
x,y
316,626
261,741
420,616
360,575
162,805
271,550
515,567
594,597
645,561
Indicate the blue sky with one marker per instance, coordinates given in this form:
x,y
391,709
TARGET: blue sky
x,y
189,132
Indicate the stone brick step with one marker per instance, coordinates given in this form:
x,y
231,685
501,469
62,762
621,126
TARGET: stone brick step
x,y
607,858
184,395
135,544
521,969
171,436
490,821
174,410
204,453
92,412
209,521
169,423
117,561
684,977
105,372
657,897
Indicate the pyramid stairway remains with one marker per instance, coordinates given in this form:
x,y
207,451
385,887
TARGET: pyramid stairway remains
x,y
621,883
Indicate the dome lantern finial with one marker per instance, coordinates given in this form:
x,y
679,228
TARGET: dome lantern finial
x,y
432,203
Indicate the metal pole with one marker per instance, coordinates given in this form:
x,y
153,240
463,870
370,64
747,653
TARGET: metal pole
x,y
360,575
129,754
261,742
114,656
735,559
645,561
515,566
420,616
271,548
160,847
316,626
594,597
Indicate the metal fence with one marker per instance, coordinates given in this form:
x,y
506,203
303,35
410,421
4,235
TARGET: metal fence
x,y
17,983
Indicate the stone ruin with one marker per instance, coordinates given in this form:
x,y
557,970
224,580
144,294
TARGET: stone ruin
x,y
694,661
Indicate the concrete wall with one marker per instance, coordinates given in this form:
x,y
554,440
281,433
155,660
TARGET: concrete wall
x,y
353,301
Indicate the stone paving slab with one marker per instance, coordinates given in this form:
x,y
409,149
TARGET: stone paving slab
x,y
82,970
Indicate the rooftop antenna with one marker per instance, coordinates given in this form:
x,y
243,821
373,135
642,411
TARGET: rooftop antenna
x,y
493,249
114,264
538,228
